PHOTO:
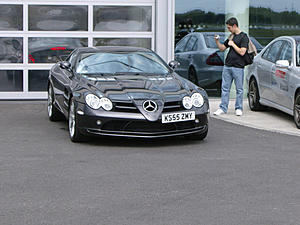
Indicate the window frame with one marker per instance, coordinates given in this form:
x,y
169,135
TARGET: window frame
x,y
89,34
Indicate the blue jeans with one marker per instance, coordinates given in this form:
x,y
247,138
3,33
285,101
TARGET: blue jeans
x,y
229,74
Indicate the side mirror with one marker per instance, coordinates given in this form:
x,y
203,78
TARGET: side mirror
x,y
285,64
65,65
173,64
16,44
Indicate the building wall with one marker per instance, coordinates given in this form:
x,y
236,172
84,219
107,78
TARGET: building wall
x,y
35,34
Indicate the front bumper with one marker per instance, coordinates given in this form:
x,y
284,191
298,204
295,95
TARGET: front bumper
x,y
103,123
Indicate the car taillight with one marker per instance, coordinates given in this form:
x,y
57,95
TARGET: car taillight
x,y
214,60
58,48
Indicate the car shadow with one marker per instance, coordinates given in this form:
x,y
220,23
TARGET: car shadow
x,y
134,142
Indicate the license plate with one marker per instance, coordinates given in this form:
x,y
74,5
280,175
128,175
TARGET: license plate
x,y
178,117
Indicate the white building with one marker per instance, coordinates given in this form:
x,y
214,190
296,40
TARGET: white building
x,y
35,33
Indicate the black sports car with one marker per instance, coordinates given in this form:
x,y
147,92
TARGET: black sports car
x,y
125,91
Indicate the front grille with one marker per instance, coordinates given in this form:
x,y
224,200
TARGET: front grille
x,y
173,106
129,107
125,107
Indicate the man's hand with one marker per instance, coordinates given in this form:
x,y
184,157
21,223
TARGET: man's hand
x,y
231,43
221,47
240,51
217,37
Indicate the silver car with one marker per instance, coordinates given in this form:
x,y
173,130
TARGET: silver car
x,y
201,61
274,77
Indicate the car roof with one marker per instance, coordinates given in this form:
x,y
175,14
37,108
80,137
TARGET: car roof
x,y
112,49
297,38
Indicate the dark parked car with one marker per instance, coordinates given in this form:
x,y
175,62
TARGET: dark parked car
x,y
274,77
201,61
125,91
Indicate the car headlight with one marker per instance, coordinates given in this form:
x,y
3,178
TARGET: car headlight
x,y
106,104
187,102
197,100
95,102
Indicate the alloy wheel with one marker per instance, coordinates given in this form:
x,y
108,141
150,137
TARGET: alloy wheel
x,y
252,94
50,101
72,120
297,111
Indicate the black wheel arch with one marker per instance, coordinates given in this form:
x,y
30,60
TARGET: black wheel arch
x,y
296,93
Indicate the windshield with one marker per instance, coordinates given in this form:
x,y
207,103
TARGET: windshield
x,y
121,62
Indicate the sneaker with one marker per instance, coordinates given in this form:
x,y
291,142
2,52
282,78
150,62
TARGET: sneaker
x,y
238,112
219,112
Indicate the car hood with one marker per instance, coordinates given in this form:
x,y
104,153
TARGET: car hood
x,y
138,88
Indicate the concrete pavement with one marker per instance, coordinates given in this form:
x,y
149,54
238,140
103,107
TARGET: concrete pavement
x,y
271,119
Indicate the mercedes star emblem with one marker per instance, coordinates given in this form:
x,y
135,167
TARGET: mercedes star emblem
x,y
150,106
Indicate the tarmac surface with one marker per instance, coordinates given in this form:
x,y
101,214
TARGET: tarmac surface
x,y
236,176
270,119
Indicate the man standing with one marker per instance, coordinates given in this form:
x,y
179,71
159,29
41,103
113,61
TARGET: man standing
x,y
234,66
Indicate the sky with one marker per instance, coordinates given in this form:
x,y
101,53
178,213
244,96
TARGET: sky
x,y
218,6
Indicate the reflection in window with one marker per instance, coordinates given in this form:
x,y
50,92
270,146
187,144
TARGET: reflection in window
x,y
181,45
11,50
131,62
11,17
49,50
268,19
58,18
136,42
11,80
189,46
122,18
38,80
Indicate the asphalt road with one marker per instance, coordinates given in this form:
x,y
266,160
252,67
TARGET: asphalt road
x,y
237,176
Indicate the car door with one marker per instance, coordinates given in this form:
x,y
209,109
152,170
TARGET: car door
x,y
265,68
179,53
280,77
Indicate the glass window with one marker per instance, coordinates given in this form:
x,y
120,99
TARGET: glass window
x,y
11,17
37,80
11,80
49,50
122,18
137,42
286,52
189,46
123,62
181,45
11,50
58,18
273,52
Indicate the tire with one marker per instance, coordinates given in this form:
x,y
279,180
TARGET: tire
x,y
74,132
53,113
197,136
192,76
253,96
297,110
